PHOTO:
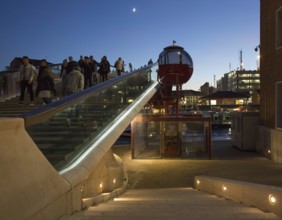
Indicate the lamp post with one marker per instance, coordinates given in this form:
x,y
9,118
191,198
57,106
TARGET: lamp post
x,y
257,49
258,61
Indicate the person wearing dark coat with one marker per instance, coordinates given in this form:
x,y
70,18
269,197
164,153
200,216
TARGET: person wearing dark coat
x,y
104,68
46,86
88,71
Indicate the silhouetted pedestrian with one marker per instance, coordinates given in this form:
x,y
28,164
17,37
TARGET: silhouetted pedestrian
x,y
104,68
74,81
71,64
130,67
87,73
94,65
64,68
46,85
43,66
119,65
27,76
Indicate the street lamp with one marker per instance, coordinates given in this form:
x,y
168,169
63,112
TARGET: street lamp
x,y
257,49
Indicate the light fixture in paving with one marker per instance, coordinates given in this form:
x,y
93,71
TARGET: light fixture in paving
x,y
272,199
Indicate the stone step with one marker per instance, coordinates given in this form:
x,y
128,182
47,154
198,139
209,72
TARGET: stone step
x,y
174,203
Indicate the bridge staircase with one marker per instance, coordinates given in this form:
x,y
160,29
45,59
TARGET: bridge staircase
x,y
65,128
171,203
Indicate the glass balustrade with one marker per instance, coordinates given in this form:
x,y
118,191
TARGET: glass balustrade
x,y
64,129
9,84
156,136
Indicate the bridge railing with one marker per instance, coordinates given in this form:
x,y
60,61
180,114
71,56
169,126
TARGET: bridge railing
x,y
91,172
75,124
9,84
10,81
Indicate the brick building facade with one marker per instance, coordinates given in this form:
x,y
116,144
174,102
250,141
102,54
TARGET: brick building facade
x,y
270,129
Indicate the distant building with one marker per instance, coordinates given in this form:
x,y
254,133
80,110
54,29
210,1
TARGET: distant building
x,y
17,61
242,81
270,129
189,98
227,99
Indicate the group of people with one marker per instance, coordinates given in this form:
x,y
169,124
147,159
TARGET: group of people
x,y
76,76
81,74
45,83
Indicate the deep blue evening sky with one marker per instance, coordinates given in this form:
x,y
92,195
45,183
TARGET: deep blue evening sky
x,y
212,31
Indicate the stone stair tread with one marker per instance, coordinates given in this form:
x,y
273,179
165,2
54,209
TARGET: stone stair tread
x,y
171,203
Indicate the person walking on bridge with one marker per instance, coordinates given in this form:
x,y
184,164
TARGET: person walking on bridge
x,y
46,86
119,65
27,76
74,81
87,72
104,68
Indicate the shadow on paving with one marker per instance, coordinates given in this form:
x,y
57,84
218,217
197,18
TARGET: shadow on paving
x,y
227,162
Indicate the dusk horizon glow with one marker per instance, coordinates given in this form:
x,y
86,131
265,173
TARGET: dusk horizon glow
x,y
212,32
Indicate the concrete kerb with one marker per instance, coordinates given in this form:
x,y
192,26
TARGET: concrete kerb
x,y
267,198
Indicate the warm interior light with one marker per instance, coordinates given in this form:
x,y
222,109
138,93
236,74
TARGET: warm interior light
x,y
198,182
272,199
213,102
224,188
268,151
101,185
114,181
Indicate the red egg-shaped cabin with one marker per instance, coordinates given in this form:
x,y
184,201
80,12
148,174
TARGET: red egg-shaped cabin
x,y
175,66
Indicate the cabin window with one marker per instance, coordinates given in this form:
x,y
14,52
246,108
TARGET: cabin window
x,y
279,28
278,92
174,57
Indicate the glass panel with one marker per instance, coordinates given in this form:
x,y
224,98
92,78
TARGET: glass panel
x,y
9,87
193,144
171,145
146,140
162,137
175,57
75,127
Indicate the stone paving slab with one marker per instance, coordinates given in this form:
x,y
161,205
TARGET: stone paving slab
x,y
228,162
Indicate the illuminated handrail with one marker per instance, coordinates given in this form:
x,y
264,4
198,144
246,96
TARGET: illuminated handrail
x,y
75,122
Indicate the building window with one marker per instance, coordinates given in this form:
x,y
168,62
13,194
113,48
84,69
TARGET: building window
x,y
278,96
279,28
